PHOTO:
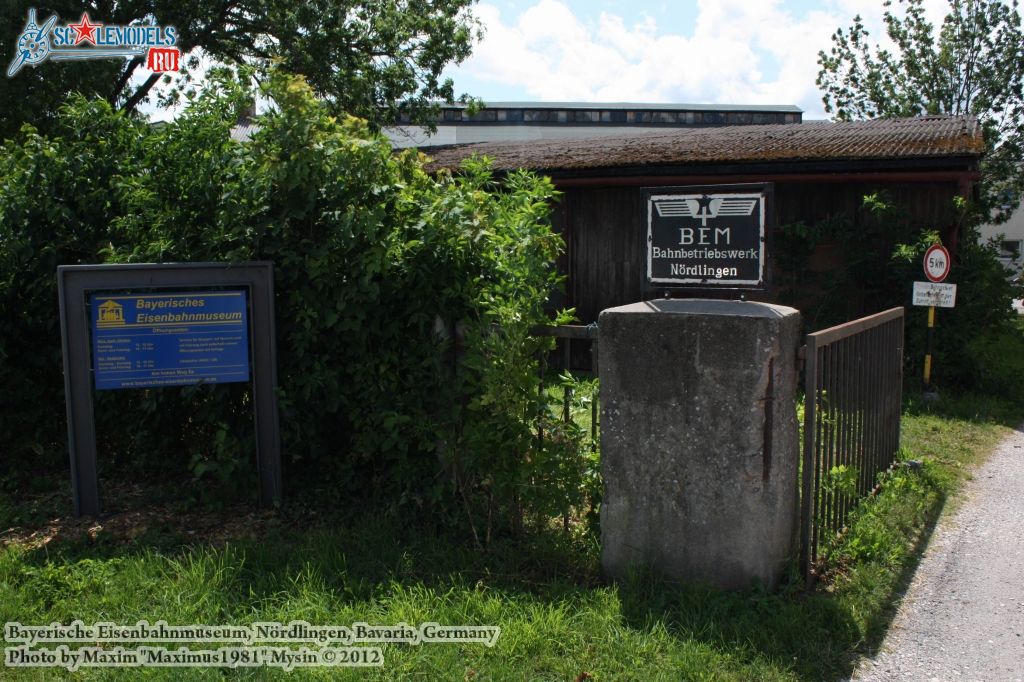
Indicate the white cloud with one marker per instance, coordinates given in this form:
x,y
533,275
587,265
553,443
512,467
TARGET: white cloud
x,y
738,52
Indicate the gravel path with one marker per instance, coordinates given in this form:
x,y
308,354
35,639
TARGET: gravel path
x,y
963,615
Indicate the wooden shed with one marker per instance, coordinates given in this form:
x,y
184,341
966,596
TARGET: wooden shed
x,y
820,172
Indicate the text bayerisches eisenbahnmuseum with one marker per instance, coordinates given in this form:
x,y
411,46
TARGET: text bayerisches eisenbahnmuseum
x,y
706,239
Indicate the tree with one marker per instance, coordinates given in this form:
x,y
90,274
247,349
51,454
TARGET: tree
x,y
974,64
372,58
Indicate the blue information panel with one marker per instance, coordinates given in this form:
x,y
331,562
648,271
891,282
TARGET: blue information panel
x,y
175,339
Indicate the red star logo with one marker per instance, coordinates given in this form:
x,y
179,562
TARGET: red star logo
x,y
84,30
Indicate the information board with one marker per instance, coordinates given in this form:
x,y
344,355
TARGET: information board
x,y
240,299
706,237
169,339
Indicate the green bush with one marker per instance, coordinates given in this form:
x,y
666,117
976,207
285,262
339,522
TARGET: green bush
x,y
997,361
882,258
403,301
983,315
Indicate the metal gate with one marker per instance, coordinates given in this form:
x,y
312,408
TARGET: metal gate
x,y
853,382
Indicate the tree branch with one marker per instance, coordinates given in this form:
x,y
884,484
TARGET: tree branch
x,y
143,90
123,79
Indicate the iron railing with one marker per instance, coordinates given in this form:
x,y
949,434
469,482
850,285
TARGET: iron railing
x,y
853,380
566,335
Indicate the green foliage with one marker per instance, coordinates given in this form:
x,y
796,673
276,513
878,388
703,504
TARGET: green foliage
x,y
881,259
982,319
35,94
983,302
842,480
566,478
372,58
997,361
859,275
884,530
403,301
971,65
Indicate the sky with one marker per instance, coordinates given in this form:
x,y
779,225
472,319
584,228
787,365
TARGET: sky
x,y
655,51
686,51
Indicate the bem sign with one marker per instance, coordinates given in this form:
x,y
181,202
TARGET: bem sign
x,y
707,236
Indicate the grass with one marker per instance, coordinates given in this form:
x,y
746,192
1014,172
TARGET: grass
x,y
941,443
957,433
559,619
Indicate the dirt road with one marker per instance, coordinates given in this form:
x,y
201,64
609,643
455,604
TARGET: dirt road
x,y
963,616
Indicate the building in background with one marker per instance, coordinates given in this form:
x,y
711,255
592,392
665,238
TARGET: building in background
x,y
530,121
821,172
602,155
1010,238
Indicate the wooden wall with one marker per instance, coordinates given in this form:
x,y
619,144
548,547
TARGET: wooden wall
x,y
603,228
605,263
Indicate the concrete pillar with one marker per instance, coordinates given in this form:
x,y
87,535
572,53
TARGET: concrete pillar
x,y
699,447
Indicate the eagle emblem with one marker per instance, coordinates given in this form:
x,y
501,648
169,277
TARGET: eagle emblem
x,y
706,207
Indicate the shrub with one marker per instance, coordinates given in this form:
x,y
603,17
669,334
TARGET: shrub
x,y
403,301
882,260
983,315
996,359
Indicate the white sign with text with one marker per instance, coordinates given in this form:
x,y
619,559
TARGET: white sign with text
x,y
932,294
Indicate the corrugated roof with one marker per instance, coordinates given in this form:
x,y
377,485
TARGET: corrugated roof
x,y
650,106
905,138
244,130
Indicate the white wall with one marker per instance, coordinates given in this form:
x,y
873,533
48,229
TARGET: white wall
x,y
1012,230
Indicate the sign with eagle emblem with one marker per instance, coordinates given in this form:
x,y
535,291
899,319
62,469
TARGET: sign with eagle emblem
x,y
707,237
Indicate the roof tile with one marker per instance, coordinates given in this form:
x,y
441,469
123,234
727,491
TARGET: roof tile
x,y
902,138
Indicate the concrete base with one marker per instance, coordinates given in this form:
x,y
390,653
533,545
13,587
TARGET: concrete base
x,y
699,445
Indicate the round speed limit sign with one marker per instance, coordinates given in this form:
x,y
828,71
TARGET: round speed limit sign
x,y
936,263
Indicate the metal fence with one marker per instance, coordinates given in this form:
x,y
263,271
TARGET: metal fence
x,y
853,378
561,360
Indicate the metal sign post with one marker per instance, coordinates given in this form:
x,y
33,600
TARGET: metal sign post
x,y
154,338
928,348
937,264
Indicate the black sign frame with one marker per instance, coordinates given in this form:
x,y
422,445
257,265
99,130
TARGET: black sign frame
x,y
708,283
74,282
